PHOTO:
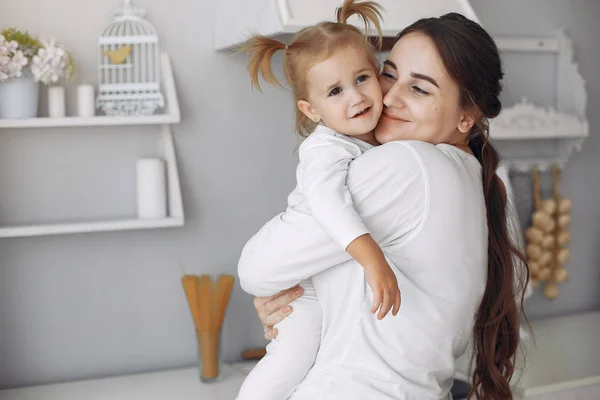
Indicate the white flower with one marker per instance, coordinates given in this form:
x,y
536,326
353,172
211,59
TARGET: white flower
x,y
50,63
12,60
12,46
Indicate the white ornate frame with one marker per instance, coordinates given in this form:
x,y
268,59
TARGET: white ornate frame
x,y
566,127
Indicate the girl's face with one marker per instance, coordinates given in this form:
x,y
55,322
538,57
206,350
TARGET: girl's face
x,y
344,93
421,101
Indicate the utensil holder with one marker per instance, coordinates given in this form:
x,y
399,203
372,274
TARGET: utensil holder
x,y
208,357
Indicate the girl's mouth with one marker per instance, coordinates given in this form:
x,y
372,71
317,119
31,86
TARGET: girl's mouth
x,y
362,113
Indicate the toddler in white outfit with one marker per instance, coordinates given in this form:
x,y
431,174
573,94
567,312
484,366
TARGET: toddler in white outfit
x,y
333,72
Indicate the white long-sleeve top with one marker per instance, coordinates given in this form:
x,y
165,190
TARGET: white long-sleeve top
x,y
321,175
424,205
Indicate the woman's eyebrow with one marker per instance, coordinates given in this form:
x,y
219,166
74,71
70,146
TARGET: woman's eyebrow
x,y
390,63
415,75
425,78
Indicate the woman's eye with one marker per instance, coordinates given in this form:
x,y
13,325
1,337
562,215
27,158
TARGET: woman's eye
x,y
387,75
335,91
362,78
419,91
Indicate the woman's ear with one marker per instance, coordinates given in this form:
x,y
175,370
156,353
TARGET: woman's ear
x,y
467,120
308,110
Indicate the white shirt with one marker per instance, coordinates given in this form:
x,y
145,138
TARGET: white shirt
x,y
321,175
424,205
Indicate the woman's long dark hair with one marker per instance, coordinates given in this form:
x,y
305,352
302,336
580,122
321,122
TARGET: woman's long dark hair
x,y
471,58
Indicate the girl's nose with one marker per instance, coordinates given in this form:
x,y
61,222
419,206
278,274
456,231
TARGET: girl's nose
x,y
357,97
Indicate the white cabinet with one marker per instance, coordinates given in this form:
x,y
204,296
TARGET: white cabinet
x,y
236,19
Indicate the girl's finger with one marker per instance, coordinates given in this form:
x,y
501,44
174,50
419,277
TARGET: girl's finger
x,y
396,304
376,301
385,307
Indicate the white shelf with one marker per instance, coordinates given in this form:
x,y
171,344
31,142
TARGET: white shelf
x,y
175,202
171,115
84,227
525,121
99,120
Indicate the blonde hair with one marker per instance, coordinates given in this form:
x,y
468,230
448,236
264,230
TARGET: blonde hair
x,y
310,46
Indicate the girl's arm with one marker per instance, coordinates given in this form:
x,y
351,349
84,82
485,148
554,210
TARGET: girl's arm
x,y
323,169
387,186
287,249
324,161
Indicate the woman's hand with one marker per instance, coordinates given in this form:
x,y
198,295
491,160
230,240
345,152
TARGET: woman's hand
x,y
273,309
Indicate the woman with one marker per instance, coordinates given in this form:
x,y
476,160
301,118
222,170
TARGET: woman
x,y
438,211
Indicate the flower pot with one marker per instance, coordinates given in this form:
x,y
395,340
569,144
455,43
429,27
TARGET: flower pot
x,y
19,97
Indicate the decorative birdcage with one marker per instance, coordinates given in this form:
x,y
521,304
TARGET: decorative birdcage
x,y
129,65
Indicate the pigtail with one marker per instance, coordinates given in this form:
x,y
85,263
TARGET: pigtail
x,y
261,50
368,11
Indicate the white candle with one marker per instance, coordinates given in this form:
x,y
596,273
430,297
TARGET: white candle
x,y
151,188
56,101
85,100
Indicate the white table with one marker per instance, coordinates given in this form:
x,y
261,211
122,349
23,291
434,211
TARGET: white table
x,y
564,365
179,384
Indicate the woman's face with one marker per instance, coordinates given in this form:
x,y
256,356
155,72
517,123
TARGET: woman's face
x,y
421,101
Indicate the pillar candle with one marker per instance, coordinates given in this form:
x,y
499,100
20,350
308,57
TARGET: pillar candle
x,y
56,101
151,188
85,100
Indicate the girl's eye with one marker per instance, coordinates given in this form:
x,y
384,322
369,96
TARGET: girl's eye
x,y
335,91
419,91
362,78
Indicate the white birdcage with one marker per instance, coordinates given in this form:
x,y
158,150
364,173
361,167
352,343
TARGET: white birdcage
x,y
129,65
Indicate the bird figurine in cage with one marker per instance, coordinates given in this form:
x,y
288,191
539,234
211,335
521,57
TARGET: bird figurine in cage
x,y
129,65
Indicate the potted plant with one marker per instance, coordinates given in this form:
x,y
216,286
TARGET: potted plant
x,y
25,61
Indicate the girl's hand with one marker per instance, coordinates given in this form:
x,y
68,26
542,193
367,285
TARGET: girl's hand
x,y
384,285
273,309
380,277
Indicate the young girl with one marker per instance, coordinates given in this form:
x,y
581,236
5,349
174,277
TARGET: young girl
x,y
333,72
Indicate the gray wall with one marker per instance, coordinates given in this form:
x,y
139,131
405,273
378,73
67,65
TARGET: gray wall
x,y
90,305
533,77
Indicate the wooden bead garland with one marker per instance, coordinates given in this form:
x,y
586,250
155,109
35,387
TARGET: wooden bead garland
x,y
547,237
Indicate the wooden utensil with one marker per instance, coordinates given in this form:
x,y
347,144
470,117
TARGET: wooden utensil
x,y
208,303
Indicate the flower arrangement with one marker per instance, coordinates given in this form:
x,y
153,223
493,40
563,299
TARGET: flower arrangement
x,y
47,60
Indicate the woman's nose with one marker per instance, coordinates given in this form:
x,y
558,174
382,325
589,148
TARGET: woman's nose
x,y
393,97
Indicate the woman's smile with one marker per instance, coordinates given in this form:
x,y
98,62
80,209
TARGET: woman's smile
x,y
391,119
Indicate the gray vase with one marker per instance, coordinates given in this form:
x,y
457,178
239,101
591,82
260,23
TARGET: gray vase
x,y
19,97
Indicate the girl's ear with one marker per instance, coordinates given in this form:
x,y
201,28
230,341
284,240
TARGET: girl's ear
x,y
308,110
